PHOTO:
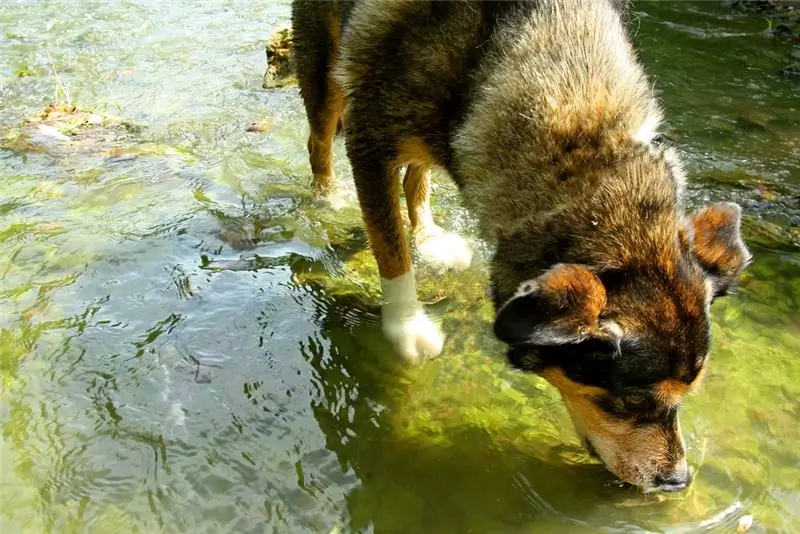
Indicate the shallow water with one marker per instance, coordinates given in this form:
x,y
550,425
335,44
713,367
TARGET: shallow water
x,y
188,342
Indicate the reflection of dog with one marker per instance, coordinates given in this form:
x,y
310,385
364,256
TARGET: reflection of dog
x,y
544,119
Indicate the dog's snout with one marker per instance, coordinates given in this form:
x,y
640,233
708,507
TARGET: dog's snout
x,y
673,481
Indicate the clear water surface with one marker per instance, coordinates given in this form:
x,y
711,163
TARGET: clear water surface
x,y
188,341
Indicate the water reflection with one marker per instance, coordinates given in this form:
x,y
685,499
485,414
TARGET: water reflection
x,y
464,477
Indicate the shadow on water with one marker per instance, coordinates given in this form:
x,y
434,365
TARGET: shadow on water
x,y
455,479
467,477
422,468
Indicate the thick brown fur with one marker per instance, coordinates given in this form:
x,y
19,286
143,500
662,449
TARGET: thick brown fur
x,y
547,123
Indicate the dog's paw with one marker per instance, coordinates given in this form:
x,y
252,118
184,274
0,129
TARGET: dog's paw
x,y
332,195
443,249
411,332
335,198
338,199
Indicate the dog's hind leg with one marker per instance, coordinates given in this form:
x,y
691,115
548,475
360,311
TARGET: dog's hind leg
x,y
405,323
324,121
315,49
436,246
320,141
417,187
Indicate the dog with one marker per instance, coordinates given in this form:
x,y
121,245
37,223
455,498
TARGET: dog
x,y
543,117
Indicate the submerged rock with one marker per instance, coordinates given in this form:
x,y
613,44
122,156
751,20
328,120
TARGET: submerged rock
x,y
72,120
259,126
764,5
783,17
60,125
768,234
69,131
792,71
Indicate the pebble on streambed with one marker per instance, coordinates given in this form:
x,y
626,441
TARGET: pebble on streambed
x,y
745,522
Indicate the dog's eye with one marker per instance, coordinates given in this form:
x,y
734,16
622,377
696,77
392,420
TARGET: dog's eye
x,y
635,400
598,349
658,140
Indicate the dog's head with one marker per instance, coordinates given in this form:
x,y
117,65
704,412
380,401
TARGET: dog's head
x,y
625,345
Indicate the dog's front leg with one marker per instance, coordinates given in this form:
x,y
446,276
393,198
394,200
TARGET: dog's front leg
x,y
405,323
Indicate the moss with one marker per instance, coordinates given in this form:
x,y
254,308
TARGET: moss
x,y
468,390
140,150
15,140
768,234
399,508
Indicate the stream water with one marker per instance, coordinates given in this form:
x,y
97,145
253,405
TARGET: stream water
x,y
189,342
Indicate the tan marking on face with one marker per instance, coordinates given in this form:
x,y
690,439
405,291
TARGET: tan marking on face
x,y
672,391
559,380
581,292
636,454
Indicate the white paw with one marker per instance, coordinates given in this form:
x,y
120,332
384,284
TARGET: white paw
x,y
411,332
443,249
338,199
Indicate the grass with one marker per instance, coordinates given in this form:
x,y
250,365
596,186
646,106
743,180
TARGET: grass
x,y
60,87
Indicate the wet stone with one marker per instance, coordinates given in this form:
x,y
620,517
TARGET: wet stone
x,y
280,69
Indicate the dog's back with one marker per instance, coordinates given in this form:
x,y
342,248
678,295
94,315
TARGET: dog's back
x,y
417,63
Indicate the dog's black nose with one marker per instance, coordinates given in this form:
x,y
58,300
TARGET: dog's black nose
x,y
673,481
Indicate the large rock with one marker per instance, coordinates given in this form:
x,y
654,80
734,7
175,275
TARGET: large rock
x,y
280,69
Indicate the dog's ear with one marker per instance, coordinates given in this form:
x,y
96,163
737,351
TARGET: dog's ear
x,y
561,306
718,244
